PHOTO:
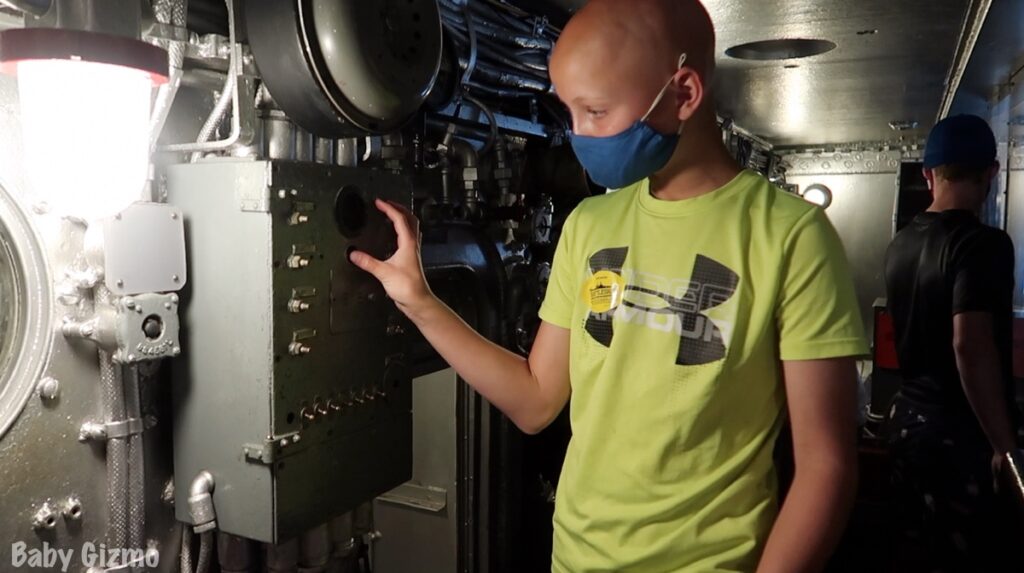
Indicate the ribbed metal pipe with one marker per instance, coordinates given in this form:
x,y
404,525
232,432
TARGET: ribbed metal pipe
x,y
136,465
206,542
227,93
117,454
185,564
205,552
174,12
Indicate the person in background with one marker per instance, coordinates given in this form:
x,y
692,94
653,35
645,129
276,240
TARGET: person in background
x,y
949,281
685,311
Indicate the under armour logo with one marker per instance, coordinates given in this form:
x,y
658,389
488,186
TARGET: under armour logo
x,y
700,340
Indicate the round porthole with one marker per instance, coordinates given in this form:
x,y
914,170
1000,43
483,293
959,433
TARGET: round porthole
x,y
818,194
25,309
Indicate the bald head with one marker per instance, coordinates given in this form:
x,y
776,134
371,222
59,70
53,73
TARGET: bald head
x,y
621,52
641,32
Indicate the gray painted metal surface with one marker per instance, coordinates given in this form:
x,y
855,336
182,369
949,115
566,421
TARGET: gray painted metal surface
x,y
1015,218
862,213
891,63
293,393
423,538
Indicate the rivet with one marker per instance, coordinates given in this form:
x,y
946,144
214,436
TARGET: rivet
x,y
49,388
119,283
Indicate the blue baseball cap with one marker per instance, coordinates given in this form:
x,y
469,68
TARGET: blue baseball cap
x,y
963,140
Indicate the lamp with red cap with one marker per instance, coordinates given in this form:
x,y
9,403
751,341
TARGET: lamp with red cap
x,y
85,102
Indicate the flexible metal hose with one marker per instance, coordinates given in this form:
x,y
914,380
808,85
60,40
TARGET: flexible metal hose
x,y
227,92
174,12
136,465
117,453
185,564
205,551
217,115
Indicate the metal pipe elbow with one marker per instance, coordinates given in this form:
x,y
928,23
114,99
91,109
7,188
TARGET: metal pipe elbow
x,y
200,502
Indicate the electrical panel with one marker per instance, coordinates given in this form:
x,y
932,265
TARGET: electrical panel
x,y
292,388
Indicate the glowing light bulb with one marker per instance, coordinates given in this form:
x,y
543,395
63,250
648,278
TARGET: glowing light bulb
x,y
85,129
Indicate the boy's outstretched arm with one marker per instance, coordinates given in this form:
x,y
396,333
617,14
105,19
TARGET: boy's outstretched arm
x,y
531,392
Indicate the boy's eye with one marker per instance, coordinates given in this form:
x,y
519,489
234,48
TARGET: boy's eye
x,y
595,112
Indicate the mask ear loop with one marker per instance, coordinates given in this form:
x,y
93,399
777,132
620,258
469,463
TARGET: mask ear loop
x,y
661,94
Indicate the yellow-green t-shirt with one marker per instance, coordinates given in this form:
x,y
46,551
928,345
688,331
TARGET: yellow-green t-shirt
x,y
680,313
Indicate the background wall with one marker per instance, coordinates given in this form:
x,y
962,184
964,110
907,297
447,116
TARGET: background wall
x,y
864,186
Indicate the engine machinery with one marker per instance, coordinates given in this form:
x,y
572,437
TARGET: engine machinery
x,y
204,360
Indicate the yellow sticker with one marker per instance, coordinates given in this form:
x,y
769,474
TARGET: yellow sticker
x,y
604,291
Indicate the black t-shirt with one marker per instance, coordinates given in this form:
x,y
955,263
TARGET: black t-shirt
x,y
940,265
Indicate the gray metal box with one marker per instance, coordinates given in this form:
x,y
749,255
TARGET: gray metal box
x,y
291,389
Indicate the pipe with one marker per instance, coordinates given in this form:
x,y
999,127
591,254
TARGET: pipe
x,y
205,551
200,502
283,557
204,520
185,563
136,465
348,152
315,549
977,13
323,152
228,96
35,8
509,79
343,544
174,12
229,92
464,152
117,453
234,554
493,122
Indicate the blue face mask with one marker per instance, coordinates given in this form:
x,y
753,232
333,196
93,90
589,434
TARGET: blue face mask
x,y
619,160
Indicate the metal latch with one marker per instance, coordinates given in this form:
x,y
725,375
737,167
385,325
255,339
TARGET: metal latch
x,y
268,451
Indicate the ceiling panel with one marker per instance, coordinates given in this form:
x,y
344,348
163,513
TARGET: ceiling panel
x,y
848,95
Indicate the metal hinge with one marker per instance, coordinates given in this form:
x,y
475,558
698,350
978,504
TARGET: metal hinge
x,y
271,449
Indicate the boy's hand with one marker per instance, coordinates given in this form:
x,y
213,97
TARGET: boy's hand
x,y
402,274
